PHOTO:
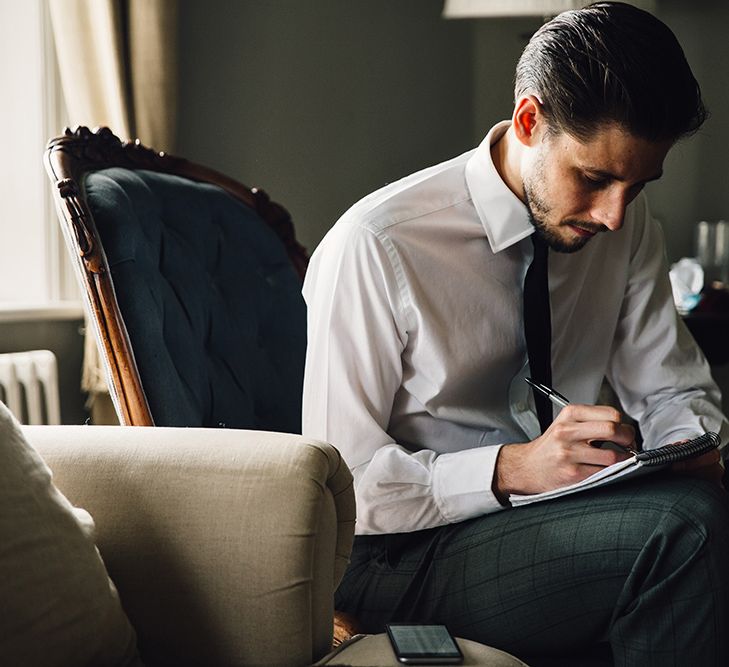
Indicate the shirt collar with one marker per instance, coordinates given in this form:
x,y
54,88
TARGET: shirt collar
x,y
503,215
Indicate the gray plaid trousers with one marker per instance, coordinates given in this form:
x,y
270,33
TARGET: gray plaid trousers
x,y
643,565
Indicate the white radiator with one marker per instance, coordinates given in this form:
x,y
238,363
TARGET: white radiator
x,y
29,386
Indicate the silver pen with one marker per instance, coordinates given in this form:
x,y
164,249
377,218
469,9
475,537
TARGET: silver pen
x,y
562,402
550,393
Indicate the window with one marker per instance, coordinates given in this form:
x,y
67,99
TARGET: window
x,y
34,268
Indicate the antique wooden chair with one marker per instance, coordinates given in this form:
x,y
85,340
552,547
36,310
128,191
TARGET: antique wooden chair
x,y
192,282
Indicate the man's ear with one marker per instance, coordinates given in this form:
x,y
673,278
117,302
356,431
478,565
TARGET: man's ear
x,y
528,120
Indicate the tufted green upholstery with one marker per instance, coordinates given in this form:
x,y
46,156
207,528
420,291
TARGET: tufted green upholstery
x,y
211,302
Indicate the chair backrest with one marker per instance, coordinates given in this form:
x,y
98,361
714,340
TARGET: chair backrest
x,y
192,282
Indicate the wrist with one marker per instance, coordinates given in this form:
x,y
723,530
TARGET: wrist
x,y
506,471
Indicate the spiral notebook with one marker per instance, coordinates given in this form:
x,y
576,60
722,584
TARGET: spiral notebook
x,y
638,464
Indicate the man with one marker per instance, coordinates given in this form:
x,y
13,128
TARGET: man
x,y
417,363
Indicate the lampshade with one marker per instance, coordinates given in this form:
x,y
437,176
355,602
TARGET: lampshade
x,y
461,9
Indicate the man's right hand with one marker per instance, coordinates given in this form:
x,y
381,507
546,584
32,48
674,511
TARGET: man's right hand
x,y
562,455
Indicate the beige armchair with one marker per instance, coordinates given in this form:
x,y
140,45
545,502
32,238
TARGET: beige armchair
x,y
225,545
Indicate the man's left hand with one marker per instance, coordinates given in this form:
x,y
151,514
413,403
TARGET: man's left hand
x,y
706,466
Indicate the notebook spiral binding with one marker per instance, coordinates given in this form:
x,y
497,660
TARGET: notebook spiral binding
x,y
680,451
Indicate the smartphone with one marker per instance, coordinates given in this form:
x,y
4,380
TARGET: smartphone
x,y
416,644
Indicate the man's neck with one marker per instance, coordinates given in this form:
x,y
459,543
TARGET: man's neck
x,y
506,156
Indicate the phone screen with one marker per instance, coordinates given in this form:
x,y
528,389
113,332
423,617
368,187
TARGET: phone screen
x,y
423,644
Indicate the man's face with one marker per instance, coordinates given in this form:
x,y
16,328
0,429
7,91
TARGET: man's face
x,y
576,189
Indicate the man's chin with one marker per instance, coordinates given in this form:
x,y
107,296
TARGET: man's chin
x,y
561,244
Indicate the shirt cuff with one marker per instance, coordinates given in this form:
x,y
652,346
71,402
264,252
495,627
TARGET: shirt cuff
x,y
462,483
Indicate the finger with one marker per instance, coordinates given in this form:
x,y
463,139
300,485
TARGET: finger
x,y
588,455
708,459
579,412
584,432
578,472
628,450
578,453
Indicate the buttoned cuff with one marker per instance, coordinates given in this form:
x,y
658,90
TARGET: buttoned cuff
x,y
462,483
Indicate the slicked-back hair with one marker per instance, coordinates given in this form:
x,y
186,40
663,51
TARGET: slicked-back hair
x,y
611,63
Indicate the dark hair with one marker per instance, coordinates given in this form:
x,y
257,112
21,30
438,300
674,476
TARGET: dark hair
x,y
611,63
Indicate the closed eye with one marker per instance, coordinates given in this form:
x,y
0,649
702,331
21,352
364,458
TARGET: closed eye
x,y
594,182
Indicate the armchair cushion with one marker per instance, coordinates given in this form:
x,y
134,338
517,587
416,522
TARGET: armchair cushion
x,y
232,349
57,604
226,545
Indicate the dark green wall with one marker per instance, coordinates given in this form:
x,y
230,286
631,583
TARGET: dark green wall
x,y
320,102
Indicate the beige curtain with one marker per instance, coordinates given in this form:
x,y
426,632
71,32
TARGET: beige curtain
x,y
118,65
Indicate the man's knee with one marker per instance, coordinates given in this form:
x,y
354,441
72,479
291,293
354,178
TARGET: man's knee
x,y
682,533
697,505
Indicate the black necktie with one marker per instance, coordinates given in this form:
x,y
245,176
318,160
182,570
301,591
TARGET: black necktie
x,y
538,328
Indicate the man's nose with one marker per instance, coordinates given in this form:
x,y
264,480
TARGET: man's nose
x,y
609,209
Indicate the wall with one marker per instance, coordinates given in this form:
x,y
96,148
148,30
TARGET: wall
x,y
696,184
498,43
320,102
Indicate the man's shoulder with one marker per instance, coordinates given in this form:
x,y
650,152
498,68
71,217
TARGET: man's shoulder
x,y
422,193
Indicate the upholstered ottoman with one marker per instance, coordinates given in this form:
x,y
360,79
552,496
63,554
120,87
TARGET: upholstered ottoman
x,y
376,651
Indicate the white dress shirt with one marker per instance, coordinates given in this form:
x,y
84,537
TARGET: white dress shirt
x,y
416,355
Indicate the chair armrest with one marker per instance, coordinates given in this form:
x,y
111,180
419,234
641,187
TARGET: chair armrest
x,y
226,545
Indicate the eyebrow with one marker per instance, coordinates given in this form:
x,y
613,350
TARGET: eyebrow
x,y
609,175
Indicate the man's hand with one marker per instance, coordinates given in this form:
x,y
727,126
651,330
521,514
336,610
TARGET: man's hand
x,y
706,466
563,455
